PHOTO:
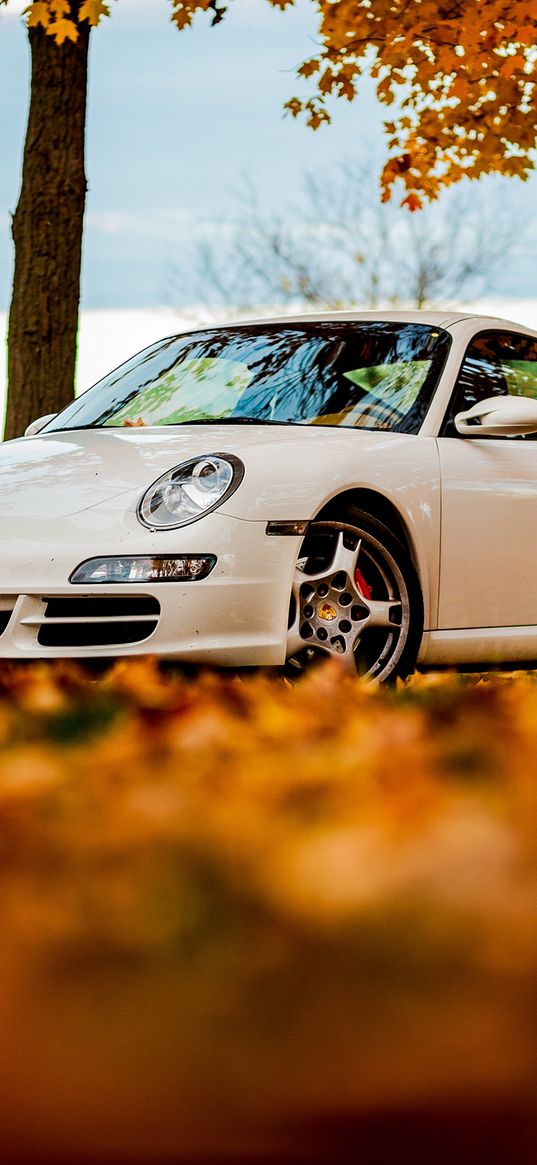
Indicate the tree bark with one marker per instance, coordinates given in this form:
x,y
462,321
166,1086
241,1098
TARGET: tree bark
x,y
47,232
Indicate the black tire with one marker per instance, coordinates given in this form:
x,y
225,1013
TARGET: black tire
x,y
384,651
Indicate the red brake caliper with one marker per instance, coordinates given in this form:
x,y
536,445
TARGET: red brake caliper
x,y
361,583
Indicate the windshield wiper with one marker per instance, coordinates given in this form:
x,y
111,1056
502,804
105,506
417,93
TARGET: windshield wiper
x,y
240,420
176,424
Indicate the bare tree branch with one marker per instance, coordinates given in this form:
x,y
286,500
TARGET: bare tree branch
x,y
341,246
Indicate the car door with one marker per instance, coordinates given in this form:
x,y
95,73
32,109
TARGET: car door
x,y
488,564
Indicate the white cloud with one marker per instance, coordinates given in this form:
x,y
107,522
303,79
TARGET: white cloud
x,y
163,224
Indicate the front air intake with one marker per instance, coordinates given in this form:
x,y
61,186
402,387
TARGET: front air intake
x,y
88,621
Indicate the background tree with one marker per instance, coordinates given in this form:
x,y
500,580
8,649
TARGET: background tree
x,y
47,225
461,78
342,246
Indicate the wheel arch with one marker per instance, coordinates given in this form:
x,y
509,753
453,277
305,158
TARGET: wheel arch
x,y
378,506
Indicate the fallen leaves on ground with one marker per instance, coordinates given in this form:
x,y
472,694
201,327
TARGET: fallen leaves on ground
x,y
235,904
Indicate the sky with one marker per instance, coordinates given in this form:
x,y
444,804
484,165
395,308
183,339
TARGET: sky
x,y
176,122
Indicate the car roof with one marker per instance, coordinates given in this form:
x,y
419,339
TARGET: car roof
x,y
440,318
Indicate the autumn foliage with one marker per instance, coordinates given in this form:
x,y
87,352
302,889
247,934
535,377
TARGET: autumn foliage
x,y
240,917
457,77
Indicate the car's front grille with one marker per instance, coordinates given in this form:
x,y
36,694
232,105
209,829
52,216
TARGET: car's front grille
x,y
88,621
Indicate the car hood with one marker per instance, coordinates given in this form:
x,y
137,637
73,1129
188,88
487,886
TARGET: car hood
x,y
57,474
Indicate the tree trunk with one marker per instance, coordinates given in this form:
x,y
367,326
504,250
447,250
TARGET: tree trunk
x,y
47,232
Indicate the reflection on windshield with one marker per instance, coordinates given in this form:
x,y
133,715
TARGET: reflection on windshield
x,y
375,376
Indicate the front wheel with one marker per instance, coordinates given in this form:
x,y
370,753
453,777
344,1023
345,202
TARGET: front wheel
x,y
356,595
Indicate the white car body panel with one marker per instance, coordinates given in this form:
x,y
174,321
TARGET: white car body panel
x,y
479,646
488,573
468,507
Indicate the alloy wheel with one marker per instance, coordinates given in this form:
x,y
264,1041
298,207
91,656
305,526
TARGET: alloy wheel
x,y
350,599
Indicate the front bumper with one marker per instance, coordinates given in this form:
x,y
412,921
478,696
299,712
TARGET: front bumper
x,y
237,616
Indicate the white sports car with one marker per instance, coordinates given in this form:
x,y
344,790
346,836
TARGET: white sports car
x,y
356,484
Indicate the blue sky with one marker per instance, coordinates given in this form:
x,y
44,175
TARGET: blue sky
x,y
175,120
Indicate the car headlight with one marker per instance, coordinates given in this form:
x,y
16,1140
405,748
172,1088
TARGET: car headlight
x,y
186,493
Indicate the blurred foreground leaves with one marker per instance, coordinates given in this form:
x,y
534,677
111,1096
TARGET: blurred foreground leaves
x,y
237,916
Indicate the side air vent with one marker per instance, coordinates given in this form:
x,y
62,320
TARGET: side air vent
x,y
5,616
7,606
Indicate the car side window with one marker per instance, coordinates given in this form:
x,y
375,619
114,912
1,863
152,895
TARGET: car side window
x,y
496,364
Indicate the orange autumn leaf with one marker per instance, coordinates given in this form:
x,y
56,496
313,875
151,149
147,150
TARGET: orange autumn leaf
x,y
63,30
39,13
413,201
59,8
93,10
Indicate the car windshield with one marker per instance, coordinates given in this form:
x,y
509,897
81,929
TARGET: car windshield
x,y
374,375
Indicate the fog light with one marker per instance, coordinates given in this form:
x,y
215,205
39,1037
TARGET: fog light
x,y
142,569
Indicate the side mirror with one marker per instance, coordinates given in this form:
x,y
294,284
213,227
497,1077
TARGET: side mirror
x,y
499,416
39,424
